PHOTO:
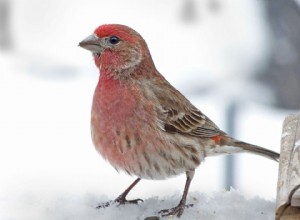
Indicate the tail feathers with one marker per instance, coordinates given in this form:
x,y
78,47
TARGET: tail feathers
x,y
254,149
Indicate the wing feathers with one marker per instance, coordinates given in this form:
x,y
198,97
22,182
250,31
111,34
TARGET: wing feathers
x,y
178,114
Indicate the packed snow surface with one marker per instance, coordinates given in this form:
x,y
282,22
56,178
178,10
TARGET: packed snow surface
x,y
214,206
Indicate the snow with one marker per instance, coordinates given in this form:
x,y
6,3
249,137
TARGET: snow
x,y
217,206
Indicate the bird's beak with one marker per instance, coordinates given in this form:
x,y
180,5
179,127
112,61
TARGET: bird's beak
x,y
91,43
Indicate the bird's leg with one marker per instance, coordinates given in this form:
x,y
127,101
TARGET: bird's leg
x,y
121,199
178,210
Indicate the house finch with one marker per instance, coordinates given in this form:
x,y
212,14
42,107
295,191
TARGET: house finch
x,y
141,124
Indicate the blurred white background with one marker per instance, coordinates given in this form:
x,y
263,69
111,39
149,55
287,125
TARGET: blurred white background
x,y
211,50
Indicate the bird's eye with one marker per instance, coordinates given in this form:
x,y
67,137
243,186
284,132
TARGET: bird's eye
x,y
114,40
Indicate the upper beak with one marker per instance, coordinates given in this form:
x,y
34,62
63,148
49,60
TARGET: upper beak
x,y
91,43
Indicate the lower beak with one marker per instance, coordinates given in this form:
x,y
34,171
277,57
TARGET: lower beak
x,y
91,43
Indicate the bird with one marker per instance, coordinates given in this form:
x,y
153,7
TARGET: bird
x,y
144,126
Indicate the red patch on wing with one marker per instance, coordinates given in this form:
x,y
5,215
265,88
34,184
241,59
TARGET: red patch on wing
x,y
217,139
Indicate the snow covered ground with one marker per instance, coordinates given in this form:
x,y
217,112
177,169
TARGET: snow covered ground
x,y
48,166
216,206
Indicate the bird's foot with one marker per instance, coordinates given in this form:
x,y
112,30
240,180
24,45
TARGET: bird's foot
x,y
176,211
122,201
119,201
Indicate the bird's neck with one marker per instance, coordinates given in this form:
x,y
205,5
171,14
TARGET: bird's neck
x,y
137,68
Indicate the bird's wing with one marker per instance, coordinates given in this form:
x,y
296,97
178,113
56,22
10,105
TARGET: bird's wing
x,y
176,114
191,122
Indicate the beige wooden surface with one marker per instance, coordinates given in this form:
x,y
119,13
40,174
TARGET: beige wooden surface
x,y
288,192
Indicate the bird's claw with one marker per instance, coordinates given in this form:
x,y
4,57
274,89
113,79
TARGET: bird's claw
x,y
176,211
123,201
119,201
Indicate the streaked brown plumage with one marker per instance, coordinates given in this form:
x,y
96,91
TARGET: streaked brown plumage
x,y
141,124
